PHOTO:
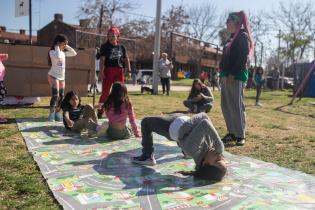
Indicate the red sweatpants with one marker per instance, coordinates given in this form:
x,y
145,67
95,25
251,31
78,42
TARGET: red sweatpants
x,y
111,75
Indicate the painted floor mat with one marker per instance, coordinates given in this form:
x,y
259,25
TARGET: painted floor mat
x,y
97,174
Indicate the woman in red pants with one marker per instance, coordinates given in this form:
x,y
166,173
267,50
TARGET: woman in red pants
x,y
113,59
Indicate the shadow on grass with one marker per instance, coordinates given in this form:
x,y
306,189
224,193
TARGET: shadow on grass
x,y
280,109
177,111
30,106
146,180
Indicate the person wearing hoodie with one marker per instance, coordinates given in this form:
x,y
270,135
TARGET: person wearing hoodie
x,y
195,135
234,75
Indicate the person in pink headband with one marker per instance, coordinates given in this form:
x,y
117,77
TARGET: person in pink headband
x,y
114,61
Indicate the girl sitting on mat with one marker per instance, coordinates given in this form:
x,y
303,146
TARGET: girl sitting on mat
x,y
117,108
77,117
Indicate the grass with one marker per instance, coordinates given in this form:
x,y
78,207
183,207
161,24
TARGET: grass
x,y
276,133
185,82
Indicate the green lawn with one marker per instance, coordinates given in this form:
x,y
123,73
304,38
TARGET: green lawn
x,y
185,82
276,133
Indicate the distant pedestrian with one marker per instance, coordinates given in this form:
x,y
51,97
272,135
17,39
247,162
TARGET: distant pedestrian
x,y
275,76
250,77
234,75
56,75
259,83
165,66
215,80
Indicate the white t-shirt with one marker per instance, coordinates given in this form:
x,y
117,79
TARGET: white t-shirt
x,y
175,126
58,61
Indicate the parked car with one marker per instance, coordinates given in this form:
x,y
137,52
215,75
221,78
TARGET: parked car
x,y
288,82
145,76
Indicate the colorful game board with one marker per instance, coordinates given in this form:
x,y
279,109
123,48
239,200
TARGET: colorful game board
x,y
96,174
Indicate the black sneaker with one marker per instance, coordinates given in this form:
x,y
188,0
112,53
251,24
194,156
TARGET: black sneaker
x,y
228,138
144,160
240,141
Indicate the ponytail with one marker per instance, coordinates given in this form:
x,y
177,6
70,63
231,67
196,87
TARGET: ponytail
x,y
242,21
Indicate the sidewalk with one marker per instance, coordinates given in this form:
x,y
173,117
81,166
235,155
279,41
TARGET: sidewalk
x,y
133,88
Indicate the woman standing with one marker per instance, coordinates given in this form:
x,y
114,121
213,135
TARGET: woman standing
x,y
234,75
165,66
56,75
113,58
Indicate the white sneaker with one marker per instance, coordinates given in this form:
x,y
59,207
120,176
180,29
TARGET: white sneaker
x,y
51,117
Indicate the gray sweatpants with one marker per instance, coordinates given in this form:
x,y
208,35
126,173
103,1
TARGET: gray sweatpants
x,y
233,107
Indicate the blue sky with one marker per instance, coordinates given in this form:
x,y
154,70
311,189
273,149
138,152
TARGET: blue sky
x,y
43,10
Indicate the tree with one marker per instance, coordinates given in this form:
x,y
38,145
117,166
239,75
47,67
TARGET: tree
x,y
172,21
91,10
203,21
259,30
297,22
137,28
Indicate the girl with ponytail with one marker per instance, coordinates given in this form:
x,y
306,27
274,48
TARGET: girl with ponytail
x,y
234,75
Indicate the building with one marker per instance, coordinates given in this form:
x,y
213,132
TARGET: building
x,y
15,38
79,36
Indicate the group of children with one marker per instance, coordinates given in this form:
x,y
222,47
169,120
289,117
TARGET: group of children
x,y
195,135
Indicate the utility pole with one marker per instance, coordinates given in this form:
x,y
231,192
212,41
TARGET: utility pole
x,y
100,23
261,53
174,75
282,70
30,21
157,43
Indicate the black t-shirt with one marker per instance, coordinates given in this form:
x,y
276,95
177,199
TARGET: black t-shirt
x,y
74,114
114,55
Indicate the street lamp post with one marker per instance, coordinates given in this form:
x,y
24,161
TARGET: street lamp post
x,y
157,43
